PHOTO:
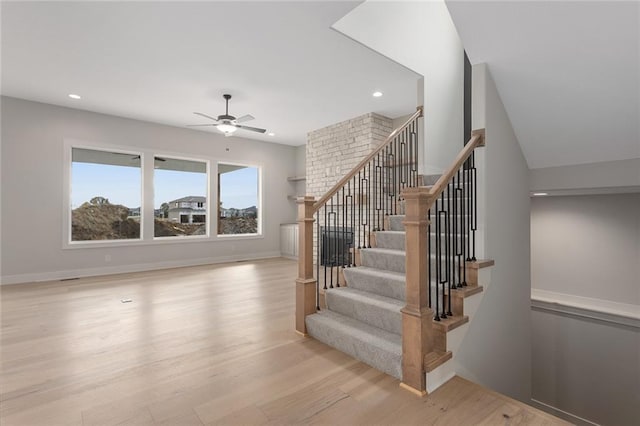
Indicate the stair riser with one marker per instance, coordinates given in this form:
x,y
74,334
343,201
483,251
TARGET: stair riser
x,y
389,262
395,223
388,362
377,316
394,288
390,241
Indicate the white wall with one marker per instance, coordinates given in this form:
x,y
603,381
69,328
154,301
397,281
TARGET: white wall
x,y
587,246
497,349
422,37
32,174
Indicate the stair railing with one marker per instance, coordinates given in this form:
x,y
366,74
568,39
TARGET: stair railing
x,y
347,216
440,225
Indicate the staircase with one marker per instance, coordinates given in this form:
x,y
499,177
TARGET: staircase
x,y
393,290
363,317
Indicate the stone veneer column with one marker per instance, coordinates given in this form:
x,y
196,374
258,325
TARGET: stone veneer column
x,y
334,150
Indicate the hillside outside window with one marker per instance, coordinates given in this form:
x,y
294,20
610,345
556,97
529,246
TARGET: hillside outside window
x,y
106,195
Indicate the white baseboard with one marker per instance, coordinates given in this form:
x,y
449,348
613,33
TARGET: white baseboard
x,y
139,267
560,413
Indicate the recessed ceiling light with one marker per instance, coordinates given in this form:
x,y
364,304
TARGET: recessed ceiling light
x,y
540,194
271,134
377,94
74,96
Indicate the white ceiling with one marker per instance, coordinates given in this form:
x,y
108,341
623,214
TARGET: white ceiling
x,y
162,61
567,72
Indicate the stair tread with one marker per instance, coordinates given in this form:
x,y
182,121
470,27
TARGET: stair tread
x,y
386,251
435,359
378,281
451,322
368,297
368,270
392,232
373,309
465,292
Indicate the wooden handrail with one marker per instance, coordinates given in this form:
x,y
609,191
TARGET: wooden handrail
x,y
342,182
477,139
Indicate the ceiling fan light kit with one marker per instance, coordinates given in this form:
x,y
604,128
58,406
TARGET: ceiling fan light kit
x,y
226,123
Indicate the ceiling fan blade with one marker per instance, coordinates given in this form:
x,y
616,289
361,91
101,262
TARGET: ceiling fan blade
x,y
251,129
200,125
245,118
206,116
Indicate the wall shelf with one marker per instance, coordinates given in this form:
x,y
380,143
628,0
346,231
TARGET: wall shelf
x,y
296,178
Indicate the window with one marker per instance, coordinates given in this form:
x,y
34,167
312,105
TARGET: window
x,y
238,209
180,197
106,190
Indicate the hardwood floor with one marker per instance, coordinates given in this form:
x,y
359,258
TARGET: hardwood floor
x,y
201,345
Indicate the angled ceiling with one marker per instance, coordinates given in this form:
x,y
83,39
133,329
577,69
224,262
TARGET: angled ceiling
x,y
162,61
567,72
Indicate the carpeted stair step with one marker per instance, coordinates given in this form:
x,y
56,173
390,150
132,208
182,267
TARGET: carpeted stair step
x,y
378,311
395,222
376,347
377,281
396,239
390,239
381,258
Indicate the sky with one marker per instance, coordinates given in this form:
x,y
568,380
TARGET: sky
x,y
122,185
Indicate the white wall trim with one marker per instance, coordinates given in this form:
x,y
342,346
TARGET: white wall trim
x,y
560,413
139,267
586,307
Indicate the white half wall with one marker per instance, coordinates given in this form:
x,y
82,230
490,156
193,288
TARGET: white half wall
x,y
421,36
32,190
586,367
497,349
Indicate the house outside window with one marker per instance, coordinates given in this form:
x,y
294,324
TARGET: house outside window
x,y
186,182
239,211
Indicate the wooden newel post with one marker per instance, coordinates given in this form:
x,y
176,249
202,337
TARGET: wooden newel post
x,y
417,337
305,283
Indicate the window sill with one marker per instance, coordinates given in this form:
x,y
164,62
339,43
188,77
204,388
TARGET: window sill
x,y
158,241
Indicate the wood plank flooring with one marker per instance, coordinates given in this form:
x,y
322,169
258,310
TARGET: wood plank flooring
x,y
208,345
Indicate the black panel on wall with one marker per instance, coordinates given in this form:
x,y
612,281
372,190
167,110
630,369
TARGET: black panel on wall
x,y
467,100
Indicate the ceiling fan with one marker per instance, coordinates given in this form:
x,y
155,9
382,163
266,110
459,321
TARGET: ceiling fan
x,y
226,123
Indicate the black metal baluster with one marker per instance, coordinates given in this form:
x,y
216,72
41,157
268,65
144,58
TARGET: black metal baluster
x,y
325,246
368,204
442,219
395,176
468,219
332,233
430,263
352,240
463,228
359,206
459,251
437,261
475,205
449,260
318,254
416,152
